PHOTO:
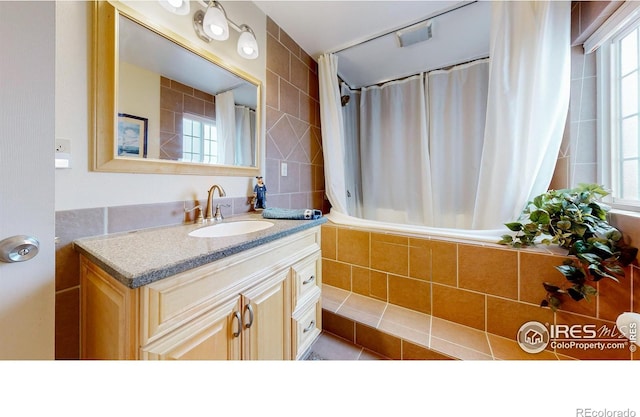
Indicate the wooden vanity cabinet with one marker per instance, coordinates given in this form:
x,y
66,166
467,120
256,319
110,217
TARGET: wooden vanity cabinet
x,y
244,306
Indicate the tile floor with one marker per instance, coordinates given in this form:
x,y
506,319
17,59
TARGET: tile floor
x,y
331,347
410,330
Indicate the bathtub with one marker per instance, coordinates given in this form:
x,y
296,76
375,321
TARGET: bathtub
x,y
485,236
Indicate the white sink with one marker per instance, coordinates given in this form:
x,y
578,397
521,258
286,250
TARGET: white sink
x,y
231,229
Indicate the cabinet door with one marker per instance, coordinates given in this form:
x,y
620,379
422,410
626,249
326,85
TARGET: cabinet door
x,y
214,336
266,319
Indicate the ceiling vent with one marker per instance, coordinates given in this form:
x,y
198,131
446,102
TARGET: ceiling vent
x,y
414,34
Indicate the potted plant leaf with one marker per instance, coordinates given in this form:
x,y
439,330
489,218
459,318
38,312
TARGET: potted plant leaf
x,y
576,220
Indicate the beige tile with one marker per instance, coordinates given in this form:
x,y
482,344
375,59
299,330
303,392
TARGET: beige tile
x,y
457,351
410,293
536,268
507,349
353,246
379,342
406,324
67,324
338,325
460,335
369,283
505,317
420,263
336,274
488,270
570,319
389,255
329,242
362,309
614,297
411,351
460,306
444,257
333,297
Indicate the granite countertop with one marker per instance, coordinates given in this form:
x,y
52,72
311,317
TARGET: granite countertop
x,y
141,257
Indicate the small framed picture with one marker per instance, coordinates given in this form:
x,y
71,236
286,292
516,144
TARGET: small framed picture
x,y
132,136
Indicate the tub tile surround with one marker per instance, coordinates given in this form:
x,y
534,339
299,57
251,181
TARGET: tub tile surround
x,y
455,298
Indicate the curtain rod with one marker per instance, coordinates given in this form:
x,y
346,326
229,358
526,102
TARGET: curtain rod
x,y
404,27
446,68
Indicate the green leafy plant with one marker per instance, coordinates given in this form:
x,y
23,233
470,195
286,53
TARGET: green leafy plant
x,y
576,220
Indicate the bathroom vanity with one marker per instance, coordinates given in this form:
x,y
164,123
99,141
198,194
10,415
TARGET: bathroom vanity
x,y
162,294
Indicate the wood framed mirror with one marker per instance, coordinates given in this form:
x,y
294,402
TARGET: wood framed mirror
x,y
162,104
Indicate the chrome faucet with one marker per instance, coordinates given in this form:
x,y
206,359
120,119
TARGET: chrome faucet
x,y
209,216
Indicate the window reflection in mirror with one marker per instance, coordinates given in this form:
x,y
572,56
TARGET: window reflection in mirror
x,y
193,110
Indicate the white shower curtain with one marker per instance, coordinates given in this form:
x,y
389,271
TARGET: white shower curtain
x,y
457,110
226,127
527,106
394,153
353,175
332,132
480,167
245,134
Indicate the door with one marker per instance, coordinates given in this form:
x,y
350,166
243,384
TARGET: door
x,y
27,138
267,319
214,336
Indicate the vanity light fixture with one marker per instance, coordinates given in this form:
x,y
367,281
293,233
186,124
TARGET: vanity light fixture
x,y
179,7
247,43
214,24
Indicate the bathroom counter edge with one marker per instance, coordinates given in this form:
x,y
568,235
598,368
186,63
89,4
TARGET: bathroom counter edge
x,y
170,251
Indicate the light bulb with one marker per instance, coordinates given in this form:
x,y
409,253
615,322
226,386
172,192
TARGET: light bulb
x,y
215,23
179,7
216,30
247,44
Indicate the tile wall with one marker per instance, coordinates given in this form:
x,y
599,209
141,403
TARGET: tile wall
x,y
577,159
175,100
293,125
293,136
488,287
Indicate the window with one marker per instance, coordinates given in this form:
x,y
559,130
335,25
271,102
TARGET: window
x,y
199,139
619,117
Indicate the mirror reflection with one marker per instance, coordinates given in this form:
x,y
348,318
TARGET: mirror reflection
x,y
174,105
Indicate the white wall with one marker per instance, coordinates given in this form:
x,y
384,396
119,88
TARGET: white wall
x,y
139,94
79,187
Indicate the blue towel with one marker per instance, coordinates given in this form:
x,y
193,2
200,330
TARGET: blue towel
x,y
291,214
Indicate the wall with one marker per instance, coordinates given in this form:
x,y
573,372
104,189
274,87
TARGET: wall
x,y
80,188
487,287
90,203
577,160
293,125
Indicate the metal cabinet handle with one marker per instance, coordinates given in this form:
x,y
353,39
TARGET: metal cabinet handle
x,y
310,326
250,310
237,316
311,278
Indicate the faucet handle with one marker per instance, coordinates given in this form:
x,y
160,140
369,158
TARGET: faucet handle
x,y
218,214
199,218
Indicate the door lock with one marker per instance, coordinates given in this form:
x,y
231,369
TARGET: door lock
x,y
18,248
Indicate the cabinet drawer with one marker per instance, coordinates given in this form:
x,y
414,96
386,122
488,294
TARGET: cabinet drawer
x,y
307,276
307,325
